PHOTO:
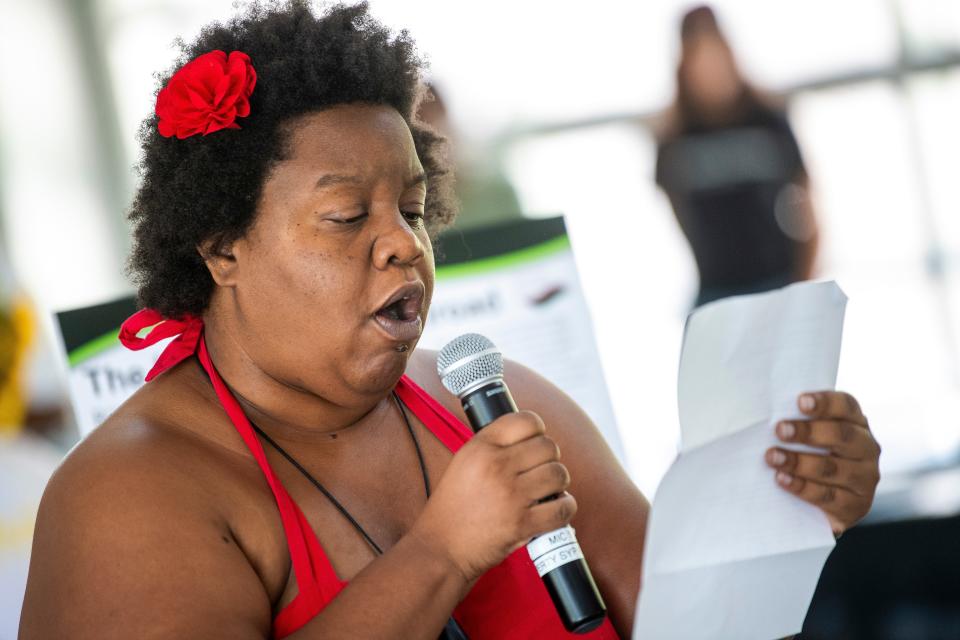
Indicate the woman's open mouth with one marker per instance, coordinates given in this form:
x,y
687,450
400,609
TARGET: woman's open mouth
x,y
400,317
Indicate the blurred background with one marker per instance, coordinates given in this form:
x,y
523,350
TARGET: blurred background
x,y
574,109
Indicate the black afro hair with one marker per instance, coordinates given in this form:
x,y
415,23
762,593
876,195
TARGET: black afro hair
x,y
206,187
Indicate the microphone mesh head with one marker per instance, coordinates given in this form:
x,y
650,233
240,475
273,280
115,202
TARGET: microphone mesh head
x,y
467,360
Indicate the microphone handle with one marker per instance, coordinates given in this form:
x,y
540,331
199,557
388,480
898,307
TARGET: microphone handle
x,y
556,555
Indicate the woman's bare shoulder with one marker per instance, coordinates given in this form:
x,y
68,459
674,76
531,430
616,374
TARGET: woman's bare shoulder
x,y
171,419
140,458
134,511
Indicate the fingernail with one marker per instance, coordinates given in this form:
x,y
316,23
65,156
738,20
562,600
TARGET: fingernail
x,y
784,478
786,430
777,457
807,403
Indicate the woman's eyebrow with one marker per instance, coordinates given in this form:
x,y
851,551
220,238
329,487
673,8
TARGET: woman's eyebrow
x,y
415,180
330,179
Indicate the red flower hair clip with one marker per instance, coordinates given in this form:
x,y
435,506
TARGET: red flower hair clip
x,y
207,94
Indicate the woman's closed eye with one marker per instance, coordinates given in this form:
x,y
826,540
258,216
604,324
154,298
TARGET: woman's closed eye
x,y
415,218
351,219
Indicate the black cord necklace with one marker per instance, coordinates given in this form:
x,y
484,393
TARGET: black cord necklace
x,y
326,492
452,630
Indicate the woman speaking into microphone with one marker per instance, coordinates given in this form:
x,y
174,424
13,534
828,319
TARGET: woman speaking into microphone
x,y
294,468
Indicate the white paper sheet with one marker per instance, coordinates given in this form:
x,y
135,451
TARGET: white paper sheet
x,y
728,553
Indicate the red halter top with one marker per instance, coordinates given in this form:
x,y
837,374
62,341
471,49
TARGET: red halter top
x,y
508,602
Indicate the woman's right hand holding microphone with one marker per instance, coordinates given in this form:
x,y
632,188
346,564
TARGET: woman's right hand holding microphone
x,y
487,504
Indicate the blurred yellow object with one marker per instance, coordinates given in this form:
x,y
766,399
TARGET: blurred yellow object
x,y
17,329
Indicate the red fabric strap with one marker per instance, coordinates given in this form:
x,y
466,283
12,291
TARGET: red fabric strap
x,y
188,331
317,582
448,429
294,524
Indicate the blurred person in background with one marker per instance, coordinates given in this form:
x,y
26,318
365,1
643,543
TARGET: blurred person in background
x,y
730,165
483,190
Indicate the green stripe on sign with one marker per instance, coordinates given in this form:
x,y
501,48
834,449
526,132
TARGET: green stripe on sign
x,y
512,259
94,347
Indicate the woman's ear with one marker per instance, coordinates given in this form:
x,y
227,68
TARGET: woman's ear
x,y
218,255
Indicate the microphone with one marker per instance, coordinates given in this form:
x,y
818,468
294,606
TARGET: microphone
x,y
471,368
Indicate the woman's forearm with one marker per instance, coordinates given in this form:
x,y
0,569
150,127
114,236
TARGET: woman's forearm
x,y
409,592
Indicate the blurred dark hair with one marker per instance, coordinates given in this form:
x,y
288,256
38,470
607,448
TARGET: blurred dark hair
x,y
207,187
686,114
698,20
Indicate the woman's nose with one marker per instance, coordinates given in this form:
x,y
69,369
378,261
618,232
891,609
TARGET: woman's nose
x,y
396,243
